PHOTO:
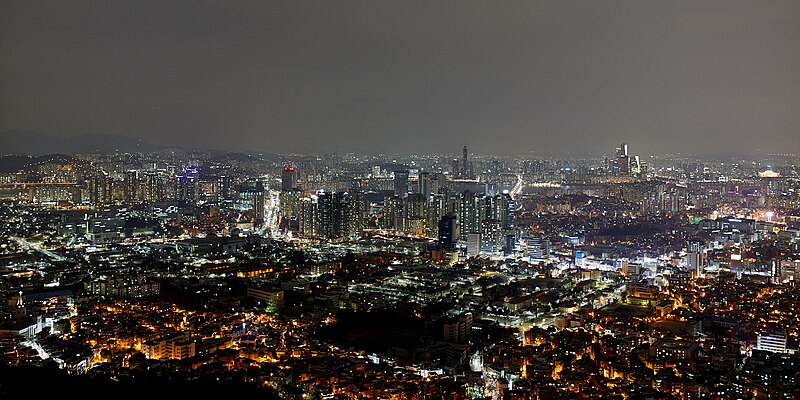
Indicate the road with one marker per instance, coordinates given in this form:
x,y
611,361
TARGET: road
x,y
33,246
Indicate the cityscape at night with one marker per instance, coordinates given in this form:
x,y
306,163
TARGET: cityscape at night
x,y
400,200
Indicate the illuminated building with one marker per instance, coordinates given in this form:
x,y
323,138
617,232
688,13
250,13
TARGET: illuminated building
x,y
538,247
492,239
472,241
674,349
331,215
186,189
625,164
458,329
401,183
424,183
447,231
272,299
153,186
101,189
131,186
288,178
469,213
290,208
253,198
466,171
393,213
695,257
135,287
772,341
177,346
436,208
225,189
307,217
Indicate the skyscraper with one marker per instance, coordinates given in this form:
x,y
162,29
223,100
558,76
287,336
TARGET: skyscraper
x,y
538,247
464,163
491,236
330,215
288,178
131,186
424,183
226,192
401,183
469,213
509,210
447,231
622,150
253,198
694,257
186,188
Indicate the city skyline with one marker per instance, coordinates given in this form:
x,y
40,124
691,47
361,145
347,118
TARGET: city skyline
x,y
412,200
547,77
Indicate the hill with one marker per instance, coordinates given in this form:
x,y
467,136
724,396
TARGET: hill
x,y
35,143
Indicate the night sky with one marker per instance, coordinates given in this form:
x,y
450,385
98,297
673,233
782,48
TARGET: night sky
x,y
408,76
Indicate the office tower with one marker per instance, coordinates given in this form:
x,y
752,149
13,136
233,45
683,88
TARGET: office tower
x,y
438,182
288,178
509,211
454,168
622,150
226,192
290,209
626,164
186,188
447,231
259,209
327,215
492,238
436,209
776,272
636,165
401,183
509,243
415,214
472,242
694,257
416,206
538,247
499,207
487,208
772,341
424,183
464,163
252,198
458,330
469,213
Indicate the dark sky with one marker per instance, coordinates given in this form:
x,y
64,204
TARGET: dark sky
x,y
380,76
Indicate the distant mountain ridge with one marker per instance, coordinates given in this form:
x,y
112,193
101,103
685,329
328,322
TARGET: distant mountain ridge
x,y
14,163
34,143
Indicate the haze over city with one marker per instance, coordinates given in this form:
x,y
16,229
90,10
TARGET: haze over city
x,y
406,200
412,76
